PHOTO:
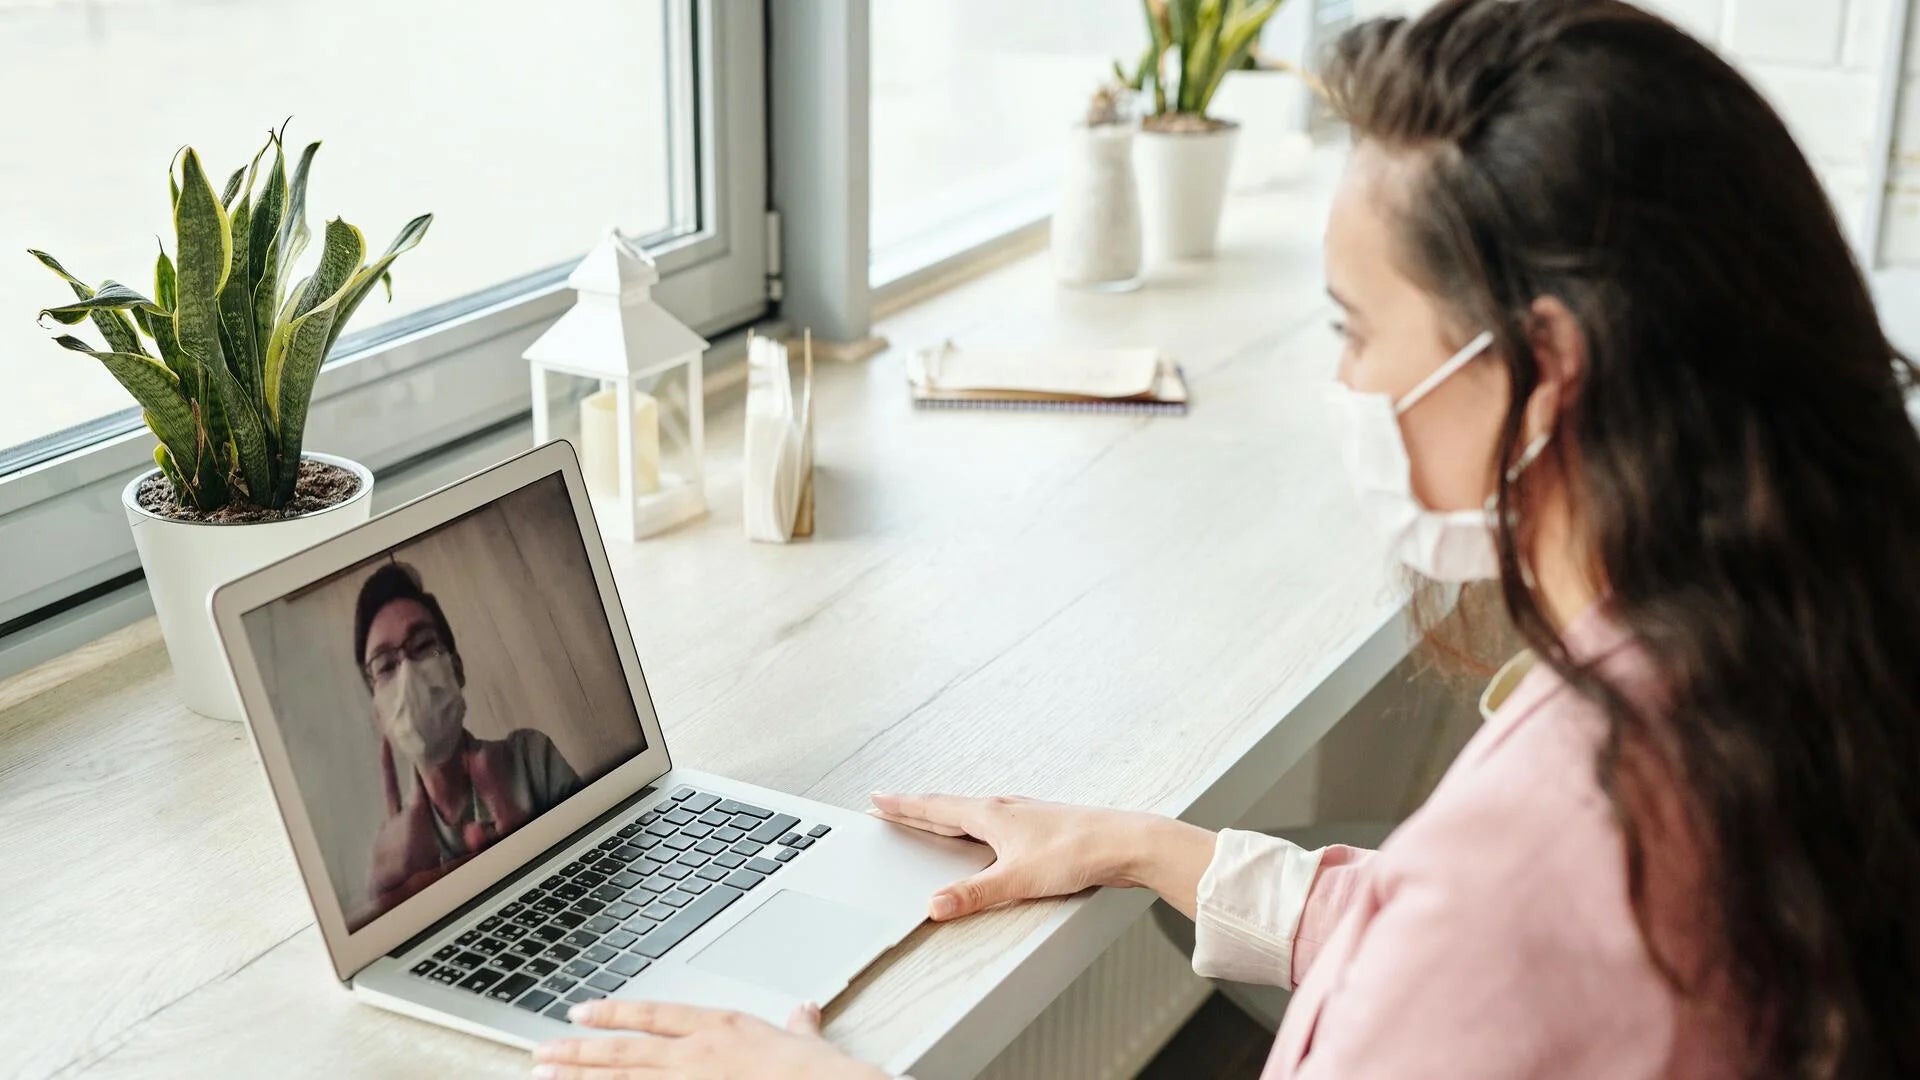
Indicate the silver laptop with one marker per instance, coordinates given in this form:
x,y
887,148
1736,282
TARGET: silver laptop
x,y
460,739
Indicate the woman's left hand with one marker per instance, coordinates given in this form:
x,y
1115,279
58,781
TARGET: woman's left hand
x,y
695,1043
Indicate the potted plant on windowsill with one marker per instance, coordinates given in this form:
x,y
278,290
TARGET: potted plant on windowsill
x,y
1184,154
222,361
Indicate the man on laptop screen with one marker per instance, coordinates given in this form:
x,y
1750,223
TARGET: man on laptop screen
x,y
433,723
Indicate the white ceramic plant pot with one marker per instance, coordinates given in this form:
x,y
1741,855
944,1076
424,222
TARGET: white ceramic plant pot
x,y
186,560
1271,108
1096,227
1183,185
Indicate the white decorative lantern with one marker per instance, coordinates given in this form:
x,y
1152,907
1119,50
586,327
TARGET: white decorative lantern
x,y
621,378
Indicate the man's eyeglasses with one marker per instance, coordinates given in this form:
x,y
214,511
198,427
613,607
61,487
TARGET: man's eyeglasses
x,y
420,646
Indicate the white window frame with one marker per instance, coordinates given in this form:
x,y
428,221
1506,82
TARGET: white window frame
x,y
64,540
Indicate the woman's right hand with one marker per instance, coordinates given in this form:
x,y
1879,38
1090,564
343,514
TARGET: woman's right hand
x,y
1055,849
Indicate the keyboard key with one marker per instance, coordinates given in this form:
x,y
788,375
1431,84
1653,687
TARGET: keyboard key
x,y
553,882
680,793
785,854
818,831
558,1011
774,826
696,885
532,895
447,974
590,878
625,879
510,932
562,953
700,802
550,904
730,860
678,898
569,919
580,939
609,866
570,892
589,907
628,965
607,981
610,843
479,981
599,924
677,842
713,872
803,843
627,831
745,822
584,993
661,828
679,817
630,852
762,866
749,847
446,952
790,838
508,962
487,924
424,968
693,858
729,834
711,847
715,819
620,910
656,884
580,969
571,869
686,921
535,1000
550,933
608,893
674,872
487,946
468,938
530,918
560,984
696,830
469,960
641,923
511,910
511,987
659,909
744,879
620,939
541,967
732,807
600,954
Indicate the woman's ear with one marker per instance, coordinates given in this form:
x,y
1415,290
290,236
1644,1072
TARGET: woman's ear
x,y
1560,346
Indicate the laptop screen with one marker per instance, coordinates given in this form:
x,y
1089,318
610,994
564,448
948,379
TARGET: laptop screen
x,y
441,695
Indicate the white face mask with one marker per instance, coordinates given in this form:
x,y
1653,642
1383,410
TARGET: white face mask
x,y
421,709
1450,545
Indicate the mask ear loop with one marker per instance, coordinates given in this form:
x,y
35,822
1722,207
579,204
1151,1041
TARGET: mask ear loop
x,y
1440,374
1528,455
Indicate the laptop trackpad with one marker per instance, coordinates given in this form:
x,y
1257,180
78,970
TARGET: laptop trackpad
x,y
797,943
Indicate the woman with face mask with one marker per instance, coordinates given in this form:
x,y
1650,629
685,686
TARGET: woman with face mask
x,y
1606,347
449,794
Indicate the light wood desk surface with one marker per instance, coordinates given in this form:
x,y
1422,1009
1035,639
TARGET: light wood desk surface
x,y
1159,613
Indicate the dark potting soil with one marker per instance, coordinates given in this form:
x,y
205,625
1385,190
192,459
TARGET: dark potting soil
x,y
319,487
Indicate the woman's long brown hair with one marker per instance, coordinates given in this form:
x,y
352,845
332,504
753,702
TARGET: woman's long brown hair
x,y
1742,462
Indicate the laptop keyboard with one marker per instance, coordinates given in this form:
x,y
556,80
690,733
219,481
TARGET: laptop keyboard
x,y
582,933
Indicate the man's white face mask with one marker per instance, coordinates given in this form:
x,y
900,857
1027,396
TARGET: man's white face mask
x,y
421,709
1445,545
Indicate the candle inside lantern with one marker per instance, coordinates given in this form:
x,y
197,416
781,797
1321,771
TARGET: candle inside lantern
x,y
600,442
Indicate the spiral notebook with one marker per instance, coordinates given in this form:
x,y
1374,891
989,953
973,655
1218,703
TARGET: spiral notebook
x,y
1048,380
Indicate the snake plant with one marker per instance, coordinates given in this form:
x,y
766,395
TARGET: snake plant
x,y
1206,39
222,359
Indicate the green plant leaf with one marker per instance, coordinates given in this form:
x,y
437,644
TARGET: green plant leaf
x,y
120,334
293,227
1183,18
205,245
116,298
1237,39
164,282
299,347
377,272
233,187
263,254
236,298
345,248
168,412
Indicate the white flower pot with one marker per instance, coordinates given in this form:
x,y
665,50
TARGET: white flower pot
x,y
1096,227
1271,108
186,560
1183,185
